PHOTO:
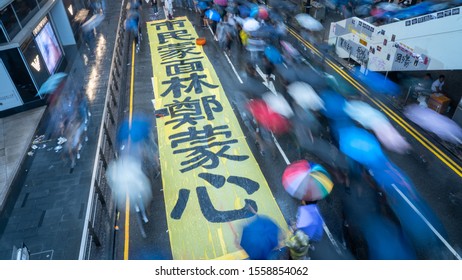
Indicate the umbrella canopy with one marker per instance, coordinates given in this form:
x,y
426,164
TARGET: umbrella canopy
x,y
213,15
432,121
309,220
361,146
305,96
203,5
363,10
251,25
289,48
261,12
93,22
308,22
364,113
51,84
273,55
333,105
307,181
278,104
373,119
139,130
389,7
221,2
260,237
378,82
267,117
244,11
125,176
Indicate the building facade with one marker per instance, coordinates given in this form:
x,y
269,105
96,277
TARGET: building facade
x,y
35,41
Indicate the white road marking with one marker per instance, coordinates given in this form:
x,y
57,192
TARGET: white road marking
x,y
284,156
213,34
271,87
234,69
453,251
268,84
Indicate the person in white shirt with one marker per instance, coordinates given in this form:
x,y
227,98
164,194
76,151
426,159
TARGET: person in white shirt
x,y
437,86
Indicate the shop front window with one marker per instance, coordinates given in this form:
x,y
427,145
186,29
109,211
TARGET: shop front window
x,y
9,21
2,35
35,61
18,72
25,9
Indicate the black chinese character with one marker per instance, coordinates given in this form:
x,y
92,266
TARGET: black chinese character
x,y
178,50
195,83
203,142
174,34
184,67
169,24
208,210
183,112
189,110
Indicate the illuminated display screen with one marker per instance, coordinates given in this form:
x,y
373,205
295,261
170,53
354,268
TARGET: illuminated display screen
x,y
49,47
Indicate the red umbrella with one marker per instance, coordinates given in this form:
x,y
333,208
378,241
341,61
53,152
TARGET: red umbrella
x,y
262,12
268,118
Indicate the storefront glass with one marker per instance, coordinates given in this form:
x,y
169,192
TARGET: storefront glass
x,y
2,35
25,10
18,72
48,45
34,59
9,21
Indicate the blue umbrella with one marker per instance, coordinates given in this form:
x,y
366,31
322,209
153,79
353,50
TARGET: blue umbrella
x,y
203,5
213,15
413,11
139,131
273,55
361,146
378,82
131,24
51,84
244,11
310,221
260,237
333,105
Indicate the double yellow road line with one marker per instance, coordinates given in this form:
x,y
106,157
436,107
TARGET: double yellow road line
x,y
390,113
130,116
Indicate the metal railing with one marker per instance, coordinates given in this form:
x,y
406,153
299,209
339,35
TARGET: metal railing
x,y
98,232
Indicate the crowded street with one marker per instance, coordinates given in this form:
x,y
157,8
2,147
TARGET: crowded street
x,y
234,130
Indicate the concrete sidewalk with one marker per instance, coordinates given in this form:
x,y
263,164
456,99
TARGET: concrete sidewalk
x,y
43,203
16,133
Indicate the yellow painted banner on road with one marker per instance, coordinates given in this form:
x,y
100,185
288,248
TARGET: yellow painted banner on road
x,y
212,183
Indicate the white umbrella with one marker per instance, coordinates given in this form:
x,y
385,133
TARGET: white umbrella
x,y
93,22
389,6
391,139
125,176
364,114
432,121
305,96
373,119
278,104
251,25
308,22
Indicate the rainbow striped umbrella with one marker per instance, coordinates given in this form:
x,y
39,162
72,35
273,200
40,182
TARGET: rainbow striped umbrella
x,y
307,181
